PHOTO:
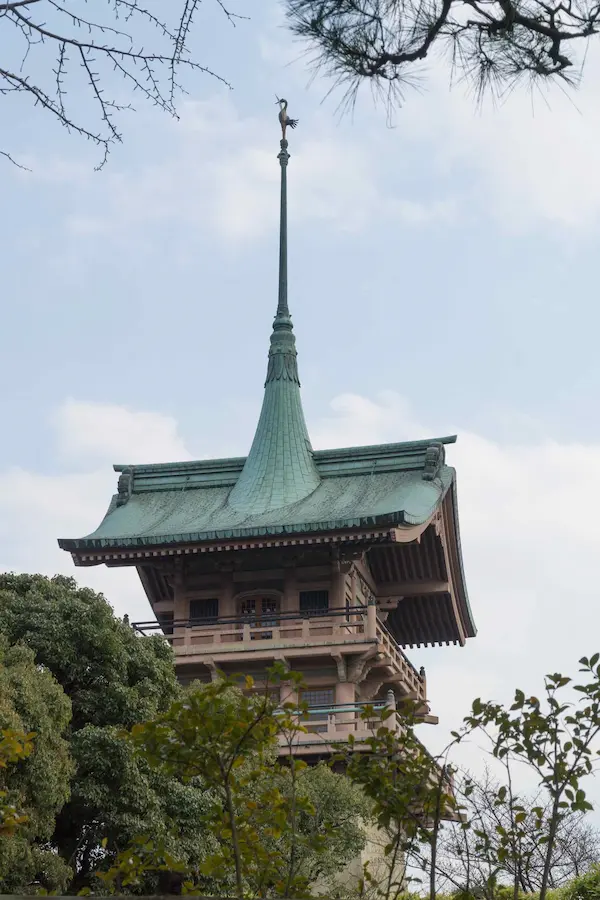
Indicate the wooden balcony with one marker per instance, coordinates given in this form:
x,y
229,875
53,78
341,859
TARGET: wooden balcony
x,y
298,635
328,728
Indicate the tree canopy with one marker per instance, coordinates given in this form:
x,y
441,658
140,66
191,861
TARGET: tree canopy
x,y
38,785
113,679
113,776
109,674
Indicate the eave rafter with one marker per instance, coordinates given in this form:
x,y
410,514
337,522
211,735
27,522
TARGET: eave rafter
x,y
118,556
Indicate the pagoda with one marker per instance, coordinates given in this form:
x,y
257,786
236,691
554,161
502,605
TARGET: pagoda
x,y
333,562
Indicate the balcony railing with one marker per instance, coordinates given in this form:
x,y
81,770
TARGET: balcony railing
x,y
311,627
331,725
341,718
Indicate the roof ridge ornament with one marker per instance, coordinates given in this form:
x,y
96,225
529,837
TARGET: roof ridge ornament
x,y
124,486
280,469
435,456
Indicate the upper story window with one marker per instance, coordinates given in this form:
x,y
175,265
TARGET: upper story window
x,y
261,612
314,602
204,612
260,607
318,696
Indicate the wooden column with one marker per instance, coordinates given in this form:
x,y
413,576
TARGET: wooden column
x,y
345,692
226,603
180,604
339,571
289,601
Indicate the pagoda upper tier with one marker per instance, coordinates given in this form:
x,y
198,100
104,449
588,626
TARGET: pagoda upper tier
x,y
388,511
396,503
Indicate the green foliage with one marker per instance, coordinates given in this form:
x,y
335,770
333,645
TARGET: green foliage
x,y
556,738
586,887
14,746
275,825
114,679
411,793
338,809
110,675
150,783
36,783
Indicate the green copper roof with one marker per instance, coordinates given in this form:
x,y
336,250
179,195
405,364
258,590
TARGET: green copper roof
x,y
280,469
391,484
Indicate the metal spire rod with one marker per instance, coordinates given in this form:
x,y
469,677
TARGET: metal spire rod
x,y
282,302
283,156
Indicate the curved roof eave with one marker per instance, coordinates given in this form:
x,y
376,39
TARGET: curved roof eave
x,y
398,519
463,596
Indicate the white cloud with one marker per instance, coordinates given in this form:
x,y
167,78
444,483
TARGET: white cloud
x,y
359,420
36,509
105,431
528,160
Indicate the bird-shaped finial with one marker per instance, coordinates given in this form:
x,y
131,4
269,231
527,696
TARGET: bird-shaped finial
x,y
284,119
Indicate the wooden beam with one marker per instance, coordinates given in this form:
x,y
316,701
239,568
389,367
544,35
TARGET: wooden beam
x,y
411,588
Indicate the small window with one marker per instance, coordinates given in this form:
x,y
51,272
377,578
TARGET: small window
x,y
314,602
204,612
318,697
261,613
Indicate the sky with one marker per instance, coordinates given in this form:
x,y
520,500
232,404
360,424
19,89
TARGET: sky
x,y
443,279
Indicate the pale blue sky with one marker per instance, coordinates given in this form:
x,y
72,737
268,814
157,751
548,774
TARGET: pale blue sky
x,y
443,278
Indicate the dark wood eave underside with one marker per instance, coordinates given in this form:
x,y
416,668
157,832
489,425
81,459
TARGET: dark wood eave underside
x,y
405,559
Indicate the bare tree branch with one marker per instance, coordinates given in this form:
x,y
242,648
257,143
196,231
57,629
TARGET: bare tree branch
x,y
87,52
472,857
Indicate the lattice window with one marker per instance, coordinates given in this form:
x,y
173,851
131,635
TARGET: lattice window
x,y
316,718
318,696
248,607
204,612
314,602
262,613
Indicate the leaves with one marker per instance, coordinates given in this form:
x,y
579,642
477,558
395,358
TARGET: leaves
x,y
35,770
112,679
274,824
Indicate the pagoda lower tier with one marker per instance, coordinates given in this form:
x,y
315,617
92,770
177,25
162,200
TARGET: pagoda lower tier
x,y
318,609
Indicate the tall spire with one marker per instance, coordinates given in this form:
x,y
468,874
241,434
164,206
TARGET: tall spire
x,y
280,469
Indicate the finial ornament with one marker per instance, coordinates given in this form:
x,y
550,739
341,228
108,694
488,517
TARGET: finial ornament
x,y
284,119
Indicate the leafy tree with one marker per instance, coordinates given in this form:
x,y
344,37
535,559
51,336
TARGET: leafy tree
x,y
335,807
558,739
494,43
14,746
273,822
114,679
411,794
58,54
416,801
111,676
37,783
